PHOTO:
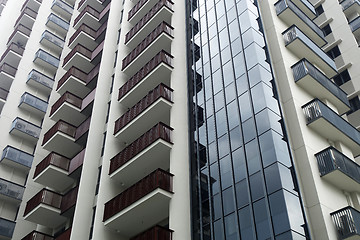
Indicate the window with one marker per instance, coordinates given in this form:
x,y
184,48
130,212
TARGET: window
x,y
342,77
334,52
319,10
354,105
116,54
326,29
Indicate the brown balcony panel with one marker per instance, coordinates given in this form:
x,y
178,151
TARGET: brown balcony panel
x,y
12,55
96,4
52,172
75,81
154,233
79,57
20,35
69,200
154,36
148,198
76,163
149,152
26,18
60,126
69,98
44,209
35,235
88,15
3,94
65,235
96,54
84,35
156,71
104,12
143,21
80,135
86,105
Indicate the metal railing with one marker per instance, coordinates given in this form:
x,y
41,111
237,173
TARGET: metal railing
x,y
46,197
41,78
53,38
17,156
53,159
47,57
58,21
26,127
347,222
11,189
34,102
154,233
60,126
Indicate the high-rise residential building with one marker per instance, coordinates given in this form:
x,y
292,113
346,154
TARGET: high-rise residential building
x,y
179,120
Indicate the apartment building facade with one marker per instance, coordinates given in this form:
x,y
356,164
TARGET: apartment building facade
x,y
146,119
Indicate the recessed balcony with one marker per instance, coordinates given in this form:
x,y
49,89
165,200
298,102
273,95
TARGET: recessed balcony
x,y
330,125
7,74
63,9
157,70
20,35
26,18
141,206
16,158
350,7
52,42
160,12
57,24
35,235
6,228
338,169
10,191
12,55
61,139
33,104
297,42
355,27
84,35
95,4
347,223
44,209
67,108
47,61
153,108
88,15
154,233
52,172
25,130
158,40
40,81
79,57
318,85
292,15
144,155
32,4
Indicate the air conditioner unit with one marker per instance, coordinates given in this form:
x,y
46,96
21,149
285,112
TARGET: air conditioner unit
x,y
20,126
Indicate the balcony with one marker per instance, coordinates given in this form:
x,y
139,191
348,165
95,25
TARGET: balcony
x,y
160,12
347,223
153,108
148,198
95,4
44,209
3,96
52,172
303,47
194,27
68,108
89,16
26,18
40,81
61,139
154,233
338,169
10,191
25,130
6,228
63,9
33,104
16,158
32,4
84,35
76,165
97,53
331,126
292,15
52,42
12,55
355,27
68,202
35,235
7,74
82,132
79,57
140,9
157,70
47,61
149,152
158,40
350,7
318,85
57,24
20,35
77,82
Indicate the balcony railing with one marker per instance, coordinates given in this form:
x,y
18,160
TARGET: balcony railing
x,y
6,68
47,57
159,131
35,235
58,21
15,48
60,126
7,228
355,24
65,235
347,222
77,161
34,102
348,3
83,128
26,127
53,159
161,57
83,28
11,189
20,28
160,91
3,94
41,78
78,49
66,97
73,71
330,160
154,233
162,28
17,156
157,179
66,7
27,1
69,199
136,8
28,12
87,9
147,17
46,197
53,38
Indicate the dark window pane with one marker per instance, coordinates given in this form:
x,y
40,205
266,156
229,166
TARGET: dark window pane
x,y
231,229
228,201
242,193
253,157
247,229
239,164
